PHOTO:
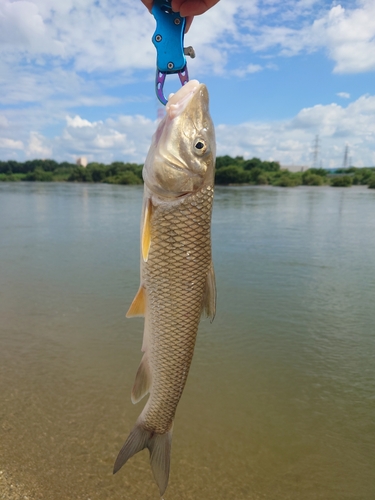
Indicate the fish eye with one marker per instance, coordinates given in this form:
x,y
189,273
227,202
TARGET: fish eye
x,y
200,146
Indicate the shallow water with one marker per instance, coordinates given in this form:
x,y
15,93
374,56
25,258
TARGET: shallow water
x,y
280,400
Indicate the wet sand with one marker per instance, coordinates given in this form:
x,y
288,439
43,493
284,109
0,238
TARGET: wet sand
x,y
11,490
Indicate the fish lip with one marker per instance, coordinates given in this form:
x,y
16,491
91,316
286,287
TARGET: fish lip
x,y
178,102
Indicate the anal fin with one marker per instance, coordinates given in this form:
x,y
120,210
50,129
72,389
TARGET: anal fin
x,y
142,381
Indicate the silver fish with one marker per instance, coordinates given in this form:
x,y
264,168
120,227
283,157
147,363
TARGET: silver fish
x,y
177,276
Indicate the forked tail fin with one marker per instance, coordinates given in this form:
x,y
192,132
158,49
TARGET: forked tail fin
x,y
159,446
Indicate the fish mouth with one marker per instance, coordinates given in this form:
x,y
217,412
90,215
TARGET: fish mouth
x,y
178,102
172,170
176,105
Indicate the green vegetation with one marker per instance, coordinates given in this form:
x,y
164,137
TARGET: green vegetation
x,y
255,171
239,171
363,175
346,177
115,173
229,171
342,181
49,170
315,177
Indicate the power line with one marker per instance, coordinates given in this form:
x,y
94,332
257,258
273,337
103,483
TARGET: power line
x,y
316,151
345,163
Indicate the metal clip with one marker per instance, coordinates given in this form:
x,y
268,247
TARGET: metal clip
x,y
169,42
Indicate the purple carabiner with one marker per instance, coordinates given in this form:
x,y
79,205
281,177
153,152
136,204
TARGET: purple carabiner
x,y
160,80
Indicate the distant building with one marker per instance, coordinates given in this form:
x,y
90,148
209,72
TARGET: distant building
x,y
82,162
296,168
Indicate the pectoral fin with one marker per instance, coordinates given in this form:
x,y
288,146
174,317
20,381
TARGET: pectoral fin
x,y
146,230
209,297
138,306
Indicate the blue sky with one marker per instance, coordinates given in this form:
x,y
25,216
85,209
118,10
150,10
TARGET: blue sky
x,y
77,79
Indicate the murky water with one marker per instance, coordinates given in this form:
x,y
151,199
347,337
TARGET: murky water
x,y
280,400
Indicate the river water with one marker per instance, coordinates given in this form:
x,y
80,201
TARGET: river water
x,y
280,400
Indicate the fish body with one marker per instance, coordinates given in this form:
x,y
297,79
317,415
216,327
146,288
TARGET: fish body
x,y
177,277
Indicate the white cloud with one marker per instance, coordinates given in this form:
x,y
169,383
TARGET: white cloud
x,y
348,36
37,146
6,143
343,95
99,36
26,83
249,69
3,121
93,35
78,122
127,138
22,28
290,141
109,35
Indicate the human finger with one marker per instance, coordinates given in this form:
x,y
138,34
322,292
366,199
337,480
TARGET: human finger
x,y
189,20
192,7
148,4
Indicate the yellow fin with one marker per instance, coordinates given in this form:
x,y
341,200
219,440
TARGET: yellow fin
x,y
138,306
146,230
142,381
209,297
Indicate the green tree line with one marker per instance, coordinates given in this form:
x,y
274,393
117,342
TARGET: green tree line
x,y
50,170
229,171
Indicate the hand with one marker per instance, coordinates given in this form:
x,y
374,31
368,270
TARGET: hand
x,y
148,4
187,8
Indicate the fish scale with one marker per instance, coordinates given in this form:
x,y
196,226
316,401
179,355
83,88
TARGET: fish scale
x,y
176,301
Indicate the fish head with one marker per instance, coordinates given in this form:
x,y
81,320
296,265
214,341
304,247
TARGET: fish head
x,y
181,159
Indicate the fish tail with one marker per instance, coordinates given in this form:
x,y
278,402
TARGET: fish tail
x,y
159,446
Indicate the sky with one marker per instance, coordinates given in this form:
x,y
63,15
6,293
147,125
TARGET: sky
x,y
77,79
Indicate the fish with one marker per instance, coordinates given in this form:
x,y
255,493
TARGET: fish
x,y
177,276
